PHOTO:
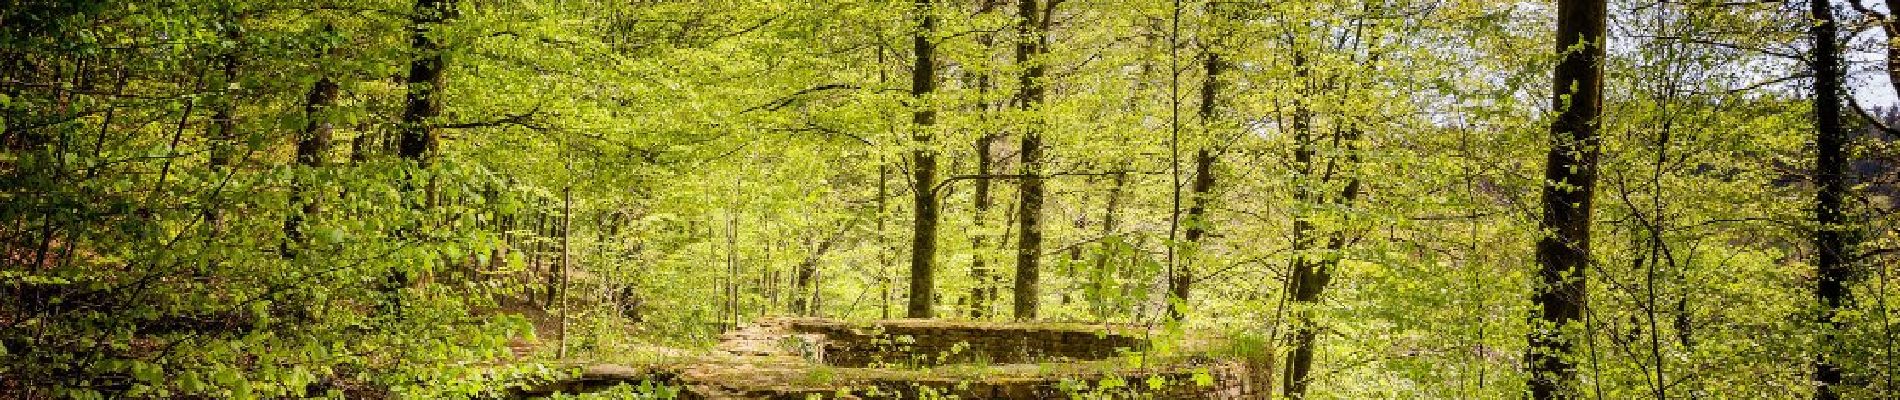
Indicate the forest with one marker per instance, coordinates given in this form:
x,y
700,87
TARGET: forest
x,y
935,199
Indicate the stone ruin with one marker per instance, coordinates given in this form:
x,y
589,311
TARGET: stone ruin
x,y
798,358
929,343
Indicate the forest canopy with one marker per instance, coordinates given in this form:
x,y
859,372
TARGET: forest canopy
x,y
1555,199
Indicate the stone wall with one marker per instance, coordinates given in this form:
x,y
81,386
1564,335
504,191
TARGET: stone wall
x,y
915,343
798,358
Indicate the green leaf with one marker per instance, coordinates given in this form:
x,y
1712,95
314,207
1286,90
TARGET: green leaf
x,y
1202,378
147,372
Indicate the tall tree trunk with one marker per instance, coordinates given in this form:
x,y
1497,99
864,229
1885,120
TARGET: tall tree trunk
x,y
923,255
983,292
1098,286
1309,276
732,267
419,140
1830,177
1569,188
551,284
224,123
884,258
567,225
312,143
1313,275
1203,187
1033,40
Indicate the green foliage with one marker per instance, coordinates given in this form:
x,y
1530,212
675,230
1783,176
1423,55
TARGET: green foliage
x,y
624,181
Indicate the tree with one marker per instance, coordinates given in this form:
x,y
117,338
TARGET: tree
x,y
983,292
420,140
923,251
223,120
1204,158
312,142
1032,42
1310,274
1830,180
1570,169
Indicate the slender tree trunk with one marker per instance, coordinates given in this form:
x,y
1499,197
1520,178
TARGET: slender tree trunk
x,y
983,293
1068,293
984,290
312,143
224,123
551,284
1830,177
1569,189
884,258
732,269
923,80
1030,45
1309,276
1203,186
567,224
1098,285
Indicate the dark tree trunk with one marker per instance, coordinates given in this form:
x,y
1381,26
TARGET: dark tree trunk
x,y
312,143
1099,285
1033,40
923,80
1203,186
418,143
1830,178
1309,276
419,140
1569,188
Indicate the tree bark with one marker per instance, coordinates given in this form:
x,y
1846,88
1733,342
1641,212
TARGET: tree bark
x,y
419,141
1099,285
983,292
923,81
1569,188
1830,178
1031,44
1309,276
312,143
1202,187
